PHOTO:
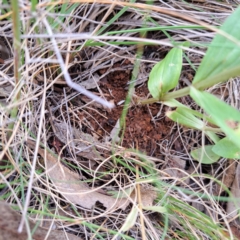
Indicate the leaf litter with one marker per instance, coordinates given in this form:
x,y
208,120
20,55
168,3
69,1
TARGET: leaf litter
x,y
9,221
68,184
147,127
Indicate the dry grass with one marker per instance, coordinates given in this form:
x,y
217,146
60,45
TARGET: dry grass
x,y
57,47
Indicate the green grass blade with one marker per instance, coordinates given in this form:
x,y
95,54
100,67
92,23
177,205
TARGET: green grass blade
x,y
33,5
66,11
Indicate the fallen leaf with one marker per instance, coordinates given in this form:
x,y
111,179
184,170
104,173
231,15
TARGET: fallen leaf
x,y
91,82
75,191
234,206
158,209
228,177
9,222
130,220
176,167
84,144
148,195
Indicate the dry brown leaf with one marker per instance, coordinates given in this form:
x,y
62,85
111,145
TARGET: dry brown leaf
x,y
228,177
9,222
83,143
176,167
75,191
91,82
235,231
6,90
148,195
4,49
234,206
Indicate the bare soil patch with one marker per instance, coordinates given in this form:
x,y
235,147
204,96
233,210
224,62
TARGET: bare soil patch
x,y
142,130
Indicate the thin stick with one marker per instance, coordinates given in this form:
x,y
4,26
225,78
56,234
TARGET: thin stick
x,y
28,195
68,79
140,206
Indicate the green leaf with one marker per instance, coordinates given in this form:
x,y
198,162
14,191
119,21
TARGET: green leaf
x,y
130,220
189,118
225,116
158,209
186,44
205,155
165,74
227,149
174,103
186,118
222,54
213,136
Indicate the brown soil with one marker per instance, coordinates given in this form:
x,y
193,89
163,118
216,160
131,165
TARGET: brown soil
x,y
146,125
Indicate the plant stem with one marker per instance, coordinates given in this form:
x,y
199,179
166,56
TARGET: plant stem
x,y
147,101
172,95
211,129
17,54
176,94
201,85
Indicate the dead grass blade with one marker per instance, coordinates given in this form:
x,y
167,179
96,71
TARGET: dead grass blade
x,y
75,191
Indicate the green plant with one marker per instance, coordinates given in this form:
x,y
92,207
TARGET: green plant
x,y
220,63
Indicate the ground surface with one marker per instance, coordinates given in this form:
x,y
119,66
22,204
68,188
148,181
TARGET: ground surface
x,y
79,131
142,130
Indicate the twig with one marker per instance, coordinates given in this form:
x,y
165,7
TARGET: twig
x,y
70,83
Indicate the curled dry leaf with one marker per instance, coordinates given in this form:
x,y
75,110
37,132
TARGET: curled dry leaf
x,y
91,82
148,195
75,191
176,167
84,144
